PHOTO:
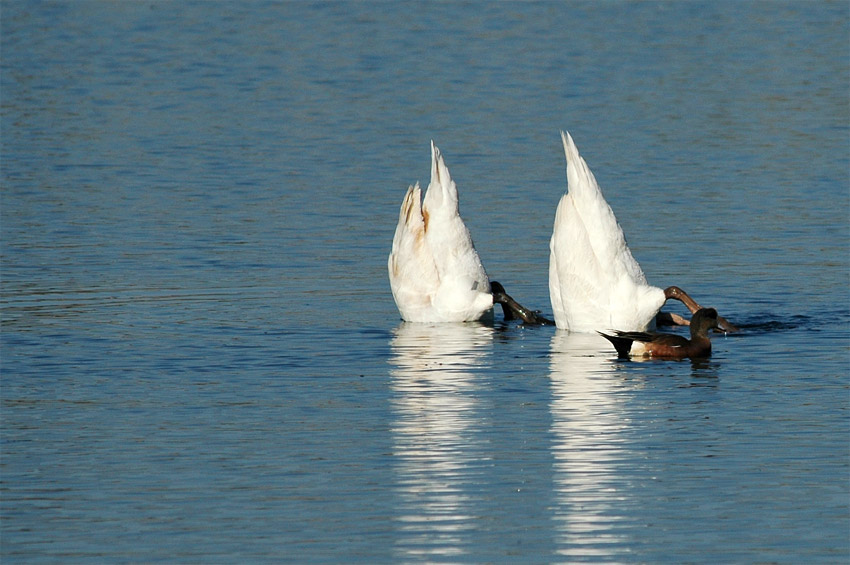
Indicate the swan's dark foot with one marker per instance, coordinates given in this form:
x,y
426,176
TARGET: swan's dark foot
x,y
513,309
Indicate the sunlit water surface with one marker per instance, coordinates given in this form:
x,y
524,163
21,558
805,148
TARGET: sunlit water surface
x,y
201,359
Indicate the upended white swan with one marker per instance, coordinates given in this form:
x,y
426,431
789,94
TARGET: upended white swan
x,y
594,282
435,272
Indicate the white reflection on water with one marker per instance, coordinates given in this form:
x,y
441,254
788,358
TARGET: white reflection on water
x,y
436,421
589,448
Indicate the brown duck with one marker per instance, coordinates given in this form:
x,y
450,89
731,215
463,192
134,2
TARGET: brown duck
x,y
668,346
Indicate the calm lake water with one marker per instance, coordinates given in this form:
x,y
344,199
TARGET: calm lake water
x,y
201,358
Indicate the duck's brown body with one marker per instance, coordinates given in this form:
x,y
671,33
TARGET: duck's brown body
x,y
668,346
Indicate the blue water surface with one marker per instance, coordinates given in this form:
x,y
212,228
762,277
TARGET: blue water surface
x,y
201,359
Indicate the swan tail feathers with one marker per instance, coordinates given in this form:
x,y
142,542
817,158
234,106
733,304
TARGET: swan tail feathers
x,y
442,191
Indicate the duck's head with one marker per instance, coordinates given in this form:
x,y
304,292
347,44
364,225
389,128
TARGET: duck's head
x,y
703,320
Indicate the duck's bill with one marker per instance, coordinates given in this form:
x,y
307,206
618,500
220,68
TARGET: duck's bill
x,y
725,325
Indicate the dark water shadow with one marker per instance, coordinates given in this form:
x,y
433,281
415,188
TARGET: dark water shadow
x,y
769,323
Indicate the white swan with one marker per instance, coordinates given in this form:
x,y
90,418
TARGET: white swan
x,y
594,282
435,272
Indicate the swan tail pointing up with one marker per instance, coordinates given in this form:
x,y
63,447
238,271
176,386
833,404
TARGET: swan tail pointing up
x,y
464,289
435,272
604,234
442,190
593,279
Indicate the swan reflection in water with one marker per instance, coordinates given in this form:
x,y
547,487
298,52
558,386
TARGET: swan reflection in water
x,y
436,423
590,449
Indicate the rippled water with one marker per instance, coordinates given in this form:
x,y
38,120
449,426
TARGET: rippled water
x,y
201,359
